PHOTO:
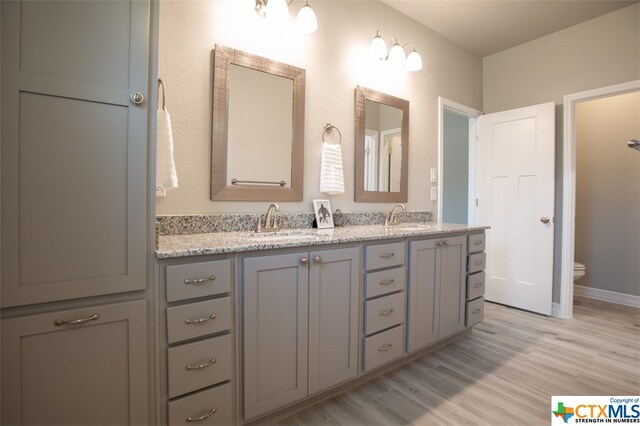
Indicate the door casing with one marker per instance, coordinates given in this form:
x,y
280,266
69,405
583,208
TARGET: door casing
x,y
565,309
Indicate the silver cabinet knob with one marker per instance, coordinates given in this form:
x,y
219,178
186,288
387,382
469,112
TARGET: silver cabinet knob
x,y
317,259
544,219
304,261
137,98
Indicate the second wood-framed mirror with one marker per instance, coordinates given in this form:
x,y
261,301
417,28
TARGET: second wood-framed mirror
x,y
382,147
257,147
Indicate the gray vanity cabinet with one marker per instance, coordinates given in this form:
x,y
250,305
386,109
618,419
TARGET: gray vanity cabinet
x,y
75,211
74,149
300,325
333,318
275,296
437,273
91,371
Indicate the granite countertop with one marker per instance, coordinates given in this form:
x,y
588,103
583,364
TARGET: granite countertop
x,y
171,246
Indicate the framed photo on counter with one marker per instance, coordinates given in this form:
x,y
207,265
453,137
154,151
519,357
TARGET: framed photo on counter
x,y
322,210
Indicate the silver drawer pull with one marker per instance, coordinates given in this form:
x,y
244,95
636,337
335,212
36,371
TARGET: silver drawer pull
x,y
442,243
201,418
477,311
385,313
387,282
387,255
200,320
477,242
60,322
199,366
478,262
477,285
384,348
199,280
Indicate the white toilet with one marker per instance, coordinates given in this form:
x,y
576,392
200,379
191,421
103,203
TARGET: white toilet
x,y
578,270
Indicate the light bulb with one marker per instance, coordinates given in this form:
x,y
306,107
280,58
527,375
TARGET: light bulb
x,y
414,61
378,48
306,22
277,10
396,55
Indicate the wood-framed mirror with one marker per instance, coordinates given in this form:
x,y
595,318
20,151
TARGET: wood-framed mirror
x,y
257,146
382,147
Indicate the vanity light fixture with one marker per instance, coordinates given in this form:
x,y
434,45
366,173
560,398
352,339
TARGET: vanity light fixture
x,y
395,53
278,11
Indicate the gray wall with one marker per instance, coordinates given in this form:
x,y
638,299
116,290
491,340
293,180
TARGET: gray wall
x,y
596,53
608,193
455,170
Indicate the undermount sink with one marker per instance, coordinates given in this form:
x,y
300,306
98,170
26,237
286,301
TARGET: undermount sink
x,y
413,226
285,236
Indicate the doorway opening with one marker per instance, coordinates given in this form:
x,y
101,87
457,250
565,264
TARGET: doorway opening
x,y
569,186
456,163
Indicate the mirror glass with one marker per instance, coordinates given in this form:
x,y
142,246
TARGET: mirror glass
x,y
382,147
382,140
258,128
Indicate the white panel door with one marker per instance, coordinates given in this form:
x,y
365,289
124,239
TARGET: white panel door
x,y
515,174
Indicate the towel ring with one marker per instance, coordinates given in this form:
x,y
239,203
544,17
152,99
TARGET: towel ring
x,y
161,86
328,128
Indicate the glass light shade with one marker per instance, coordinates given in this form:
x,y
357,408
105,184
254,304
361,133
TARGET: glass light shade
x,y
277,10
378,48
306,22
414,61
396,55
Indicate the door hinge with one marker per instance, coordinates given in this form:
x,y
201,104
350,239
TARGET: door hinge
x,y
476,202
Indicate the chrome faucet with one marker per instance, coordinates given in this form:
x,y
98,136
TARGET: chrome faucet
x,y
270,223
391,219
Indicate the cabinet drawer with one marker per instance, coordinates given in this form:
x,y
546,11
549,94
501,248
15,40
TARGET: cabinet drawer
x,y
475,285
383,282
475,311
198,319
198,280
214,403
384,312
476,262
476,243
382,348
198,365
384,256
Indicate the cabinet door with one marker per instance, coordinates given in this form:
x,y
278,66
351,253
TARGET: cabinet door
x,y
423,294
452,286
333,318
93,372
73,149
275,320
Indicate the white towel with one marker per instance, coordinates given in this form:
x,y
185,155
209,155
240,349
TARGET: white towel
x,y
331,173
166,175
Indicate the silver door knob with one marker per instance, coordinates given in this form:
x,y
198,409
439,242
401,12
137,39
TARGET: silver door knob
x,y
544,219
137,98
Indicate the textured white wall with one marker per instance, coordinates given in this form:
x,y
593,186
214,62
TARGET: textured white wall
x,y
597,53
336,60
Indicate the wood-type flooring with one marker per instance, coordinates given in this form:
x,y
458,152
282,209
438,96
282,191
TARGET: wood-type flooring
x,y
503,373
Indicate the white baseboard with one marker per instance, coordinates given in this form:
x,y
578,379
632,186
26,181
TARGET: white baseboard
x,y
607,296
555,309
